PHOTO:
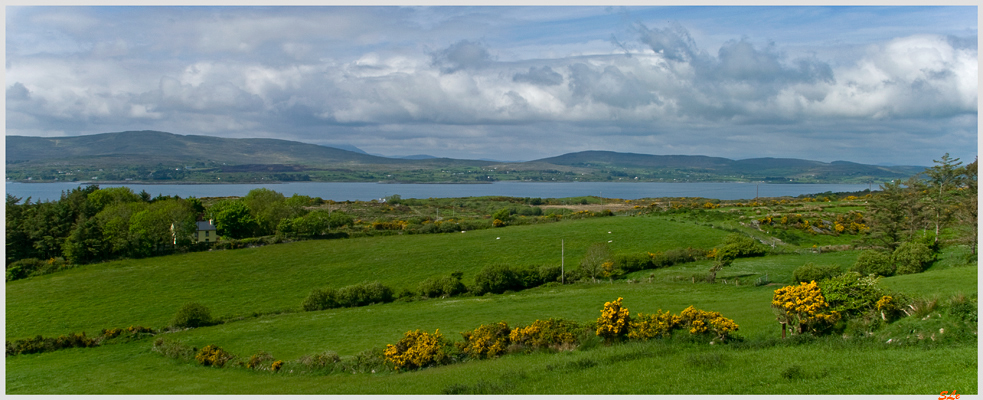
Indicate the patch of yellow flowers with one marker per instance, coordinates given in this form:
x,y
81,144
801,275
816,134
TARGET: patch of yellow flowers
x,y
486,341
802,305
417,349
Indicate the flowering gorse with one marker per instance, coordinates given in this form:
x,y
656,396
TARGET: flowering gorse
x,y
486,341
417,349
804,306
647,326
552,333
700,322
614,321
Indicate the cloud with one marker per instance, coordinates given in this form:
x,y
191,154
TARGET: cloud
x,y
553,84
544,76
462,55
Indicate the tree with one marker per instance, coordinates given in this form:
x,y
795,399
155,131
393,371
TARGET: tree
x,y
967,210
896,213
232,219
593,262
943,180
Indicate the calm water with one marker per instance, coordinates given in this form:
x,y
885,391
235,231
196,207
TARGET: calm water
x,y
341,191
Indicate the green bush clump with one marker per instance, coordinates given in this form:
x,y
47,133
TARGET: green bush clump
x,y
912,258
325,361
29,267
852,294
364,294
676,256
496,279
873,262
742,246
192,315
633,262
41,344
320,299
445,286
812,272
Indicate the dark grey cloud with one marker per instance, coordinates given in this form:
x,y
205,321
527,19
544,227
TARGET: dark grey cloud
x,y
17,92
544,76
462,55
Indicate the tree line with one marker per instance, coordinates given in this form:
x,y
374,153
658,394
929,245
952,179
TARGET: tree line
x,y
89,224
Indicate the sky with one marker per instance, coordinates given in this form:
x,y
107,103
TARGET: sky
x,y
875,85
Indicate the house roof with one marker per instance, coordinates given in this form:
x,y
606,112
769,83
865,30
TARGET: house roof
x,y
205,226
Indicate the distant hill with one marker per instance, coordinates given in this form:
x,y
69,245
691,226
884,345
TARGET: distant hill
x,y
153,155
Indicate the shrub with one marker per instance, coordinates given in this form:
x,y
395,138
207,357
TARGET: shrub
x,y
445,286
496,279
417,349
192,315
700,321
364,294
872,262
172,349
258,359
485,341
742,246
804,307
275,367
320,299
647,326
320,361
912,258
851,294
614,322
812,272
212,355
41,344
633,262
554,334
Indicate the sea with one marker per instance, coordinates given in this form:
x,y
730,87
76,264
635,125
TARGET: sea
x,y
342,191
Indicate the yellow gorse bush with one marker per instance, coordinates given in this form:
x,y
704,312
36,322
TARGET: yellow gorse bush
x,y
802,305
699,322
647,326
213,355
417,349
614,321
551,333
486,341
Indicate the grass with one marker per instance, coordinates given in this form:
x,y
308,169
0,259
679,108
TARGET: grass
x,y
262,280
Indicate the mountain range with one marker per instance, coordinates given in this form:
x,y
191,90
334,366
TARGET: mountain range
x,y
197,156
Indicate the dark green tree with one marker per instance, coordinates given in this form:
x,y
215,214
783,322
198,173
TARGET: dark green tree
x,y
232,219
942,180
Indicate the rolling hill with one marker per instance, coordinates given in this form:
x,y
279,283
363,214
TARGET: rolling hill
x,y
138,155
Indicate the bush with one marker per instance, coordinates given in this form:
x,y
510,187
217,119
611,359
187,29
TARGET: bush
x,y
647,326
742,246
258,359
496,279
417,349
556,334
872,262
192,315
812,272
676,256
485,341
851,294
321,361
364,294
41,344
700,321
804,307
320,299
633,262
445,286
614,322
912,258
212,355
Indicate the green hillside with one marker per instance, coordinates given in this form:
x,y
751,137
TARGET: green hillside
x,y
165,157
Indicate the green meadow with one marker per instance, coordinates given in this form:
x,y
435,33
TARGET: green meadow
x,y
258,293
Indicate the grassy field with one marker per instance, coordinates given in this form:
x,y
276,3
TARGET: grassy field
x,y
255,283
